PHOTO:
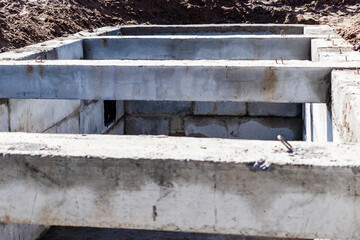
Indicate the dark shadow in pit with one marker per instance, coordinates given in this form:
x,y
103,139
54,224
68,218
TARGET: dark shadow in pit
x,y
76,233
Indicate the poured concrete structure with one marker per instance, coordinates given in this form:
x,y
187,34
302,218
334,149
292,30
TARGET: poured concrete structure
x,y
232,47
206,81
223,186
202,80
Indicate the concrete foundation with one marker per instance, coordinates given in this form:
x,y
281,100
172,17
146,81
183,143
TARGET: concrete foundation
x,y
201,81
223,186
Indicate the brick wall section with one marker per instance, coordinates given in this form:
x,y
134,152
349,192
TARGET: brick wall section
x,y
214,119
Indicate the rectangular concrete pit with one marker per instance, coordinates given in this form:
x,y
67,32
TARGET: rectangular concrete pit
x,y
198,47
223,186
247,93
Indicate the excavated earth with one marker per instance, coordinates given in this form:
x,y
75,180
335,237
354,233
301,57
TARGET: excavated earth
x,y
24,22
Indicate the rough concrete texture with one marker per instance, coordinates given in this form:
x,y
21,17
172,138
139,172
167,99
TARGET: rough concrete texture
x,y
346,105
157,107
197,80
153,125
339,56
71,124
21,231
120,109
118,128
234,47
4,116
244,128
220,108
32,115
92,117
223,186
319,46
274,109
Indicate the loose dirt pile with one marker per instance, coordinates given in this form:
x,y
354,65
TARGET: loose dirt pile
x,y
24,22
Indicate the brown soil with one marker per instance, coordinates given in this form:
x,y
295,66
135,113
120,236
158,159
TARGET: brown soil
x,y
23,22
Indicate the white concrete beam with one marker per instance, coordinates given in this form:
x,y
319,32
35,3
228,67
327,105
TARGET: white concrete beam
x,y
181,184
221,80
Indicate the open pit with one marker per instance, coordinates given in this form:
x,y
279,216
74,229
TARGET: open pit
x,y
234,87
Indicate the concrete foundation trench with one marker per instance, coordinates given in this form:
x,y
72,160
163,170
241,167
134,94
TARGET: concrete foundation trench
x,y
199,108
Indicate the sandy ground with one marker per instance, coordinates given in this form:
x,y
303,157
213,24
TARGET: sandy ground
x,y
24,22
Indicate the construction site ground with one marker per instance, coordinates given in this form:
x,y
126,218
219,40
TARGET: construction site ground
x,y
25,22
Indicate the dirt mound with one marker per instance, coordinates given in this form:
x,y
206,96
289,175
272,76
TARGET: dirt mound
x,y
24,22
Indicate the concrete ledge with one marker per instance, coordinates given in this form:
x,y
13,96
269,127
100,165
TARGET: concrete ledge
x,y
159,183
240,81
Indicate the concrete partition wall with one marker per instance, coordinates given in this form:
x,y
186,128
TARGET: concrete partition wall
x,y
214,119
319,119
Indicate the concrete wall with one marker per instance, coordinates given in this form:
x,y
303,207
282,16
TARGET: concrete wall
x,y
318,119
214,119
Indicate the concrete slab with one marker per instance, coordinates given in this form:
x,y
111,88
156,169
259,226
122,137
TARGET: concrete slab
x,y
202,80
159,183
233,47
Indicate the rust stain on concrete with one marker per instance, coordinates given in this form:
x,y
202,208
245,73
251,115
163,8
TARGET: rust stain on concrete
x,y
105,42
269,83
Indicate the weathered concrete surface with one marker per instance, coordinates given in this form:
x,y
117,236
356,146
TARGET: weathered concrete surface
x,y
160,183
321,46
157,107
21,231
234,47
346,105
4,115
32,115
212,29
274,109
220,108
259,81
147,125
244,128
